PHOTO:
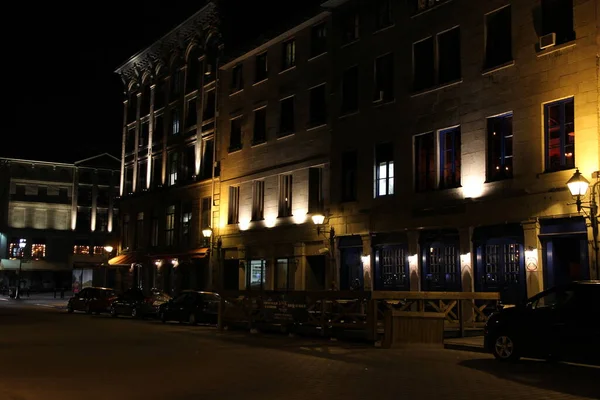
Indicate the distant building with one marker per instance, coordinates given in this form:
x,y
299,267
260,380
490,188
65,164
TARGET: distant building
x,y
65,213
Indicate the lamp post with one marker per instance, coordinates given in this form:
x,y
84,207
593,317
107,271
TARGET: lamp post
x,y
22,244
578,186
319,221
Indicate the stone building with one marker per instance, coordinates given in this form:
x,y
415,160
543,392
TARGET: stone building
x,y
65,214
455,127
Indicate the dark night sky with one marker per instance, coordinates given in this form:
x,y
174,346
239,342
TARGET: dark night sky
x,y
63,102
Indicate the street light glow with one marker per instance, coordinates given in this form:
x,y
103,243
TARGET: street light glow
x,y
578,185
108,249
318,219
207,233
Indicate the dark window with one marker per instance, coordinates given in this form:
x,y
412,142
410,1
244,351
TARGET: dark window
x,y
159,94
154,230
285,274
173,167
384,169
209,106
159,129
498,39
129,179
205,217
449,56
350,90
125,232
289,54
188,163
237,78
84,219
84,196
233,215
145,105
557,18
206,169
318,39
260,126
349,175
384,78
318,106
384,14
425,162
157,168
139,231
144,135
450,152
193,71
170,226
285,196
258,200
235,137
262,67
315,190
191,114
142,175
175,84
286,119
130,140
559,127
175,120
350,27
186,224
500,147
424,64
101,220
132,108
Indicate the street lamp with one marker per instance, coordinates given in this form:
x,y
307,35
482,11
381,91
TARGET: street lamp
x,y
319,221
108,249
207,233
22,244
578,186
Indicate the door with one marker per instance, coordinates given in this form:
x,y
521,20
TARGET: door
x,y
231,275
316,273
80,299
351,273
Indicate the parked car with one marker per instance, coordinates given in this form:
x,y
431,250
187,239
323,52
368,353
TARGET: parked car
x,y
92,300
561,323
135,303
191,307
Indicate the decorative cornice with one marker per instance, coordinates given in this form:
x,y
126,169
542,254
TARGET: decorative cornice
x,y
174,43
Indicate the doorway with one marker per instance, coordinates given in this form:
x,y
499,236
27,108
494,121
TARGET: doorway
x,y
351,269
316,273
566,260
231,275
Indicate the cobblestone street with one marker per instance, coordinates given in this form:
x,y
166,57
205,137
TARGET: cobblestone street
x,y
48,354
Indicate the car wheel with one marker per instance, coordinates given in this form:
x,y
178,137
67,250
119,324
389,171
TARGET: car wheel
x,y
113,312
88,309
70,309
192,319
134,312
504,348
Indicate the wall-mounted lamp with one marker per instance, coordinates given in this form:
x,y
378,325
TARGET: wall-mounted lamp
x,y
108,249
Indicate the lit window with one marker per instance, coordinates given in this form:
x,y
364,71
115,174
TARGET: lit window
x,y
559,126
81,249
500,144
38,251
256,274
98,250
15,251
384,170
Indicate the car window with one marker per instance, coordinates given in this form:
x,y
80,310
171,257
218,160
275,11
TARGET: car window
x,y
83,294
181,298
553,299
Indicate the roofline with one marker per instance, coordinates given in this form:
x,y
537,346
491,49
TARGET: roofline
x,y
333,3
97,156
282,36
141,52
22,160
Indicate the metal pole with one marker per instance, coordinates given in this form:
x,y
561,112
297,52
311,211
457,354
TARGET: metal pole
x,y
18,290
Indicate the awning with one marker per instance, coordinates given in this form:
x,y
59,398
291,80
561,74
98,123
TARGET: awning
x,y
33,265
192,254
125,259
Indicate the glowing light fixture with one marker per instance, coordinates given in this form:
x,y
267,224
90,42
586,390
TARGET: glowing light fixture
x,y
318,219
578,185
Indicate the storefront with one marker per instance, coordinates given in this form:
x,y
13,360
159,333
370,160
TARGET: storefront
x,y
440,261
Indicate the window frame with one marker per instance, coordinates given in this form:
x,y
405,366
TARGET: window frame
x,y
238,135
287,130
563,164
491,175
456,157
233,208
285,199
386,161
288,61
258,200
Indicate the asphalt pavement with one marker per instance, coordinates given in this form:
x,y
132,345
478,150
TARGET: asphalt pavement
x,y
51,355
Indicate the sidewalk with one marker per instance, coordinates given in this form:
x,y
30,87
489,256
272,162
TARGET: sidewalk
x,y
473,343
41,299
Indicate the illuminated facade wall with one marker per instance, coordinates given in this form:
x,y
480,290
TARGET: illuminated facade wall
x,y
464,76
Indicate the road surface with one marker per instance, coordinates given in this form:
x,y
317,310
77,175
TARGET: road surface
x,y
47,354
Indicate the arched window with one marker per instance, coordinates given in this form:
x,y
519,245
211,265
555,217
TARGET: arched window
x,y
146,99
132,107
193,70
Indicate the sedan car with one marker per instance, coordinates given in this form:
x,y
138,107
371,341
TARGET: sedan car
x,y
560,323
135,303
92,300
191,307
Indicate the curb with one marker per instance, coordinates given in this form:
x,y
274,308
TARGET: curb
x,y
465,347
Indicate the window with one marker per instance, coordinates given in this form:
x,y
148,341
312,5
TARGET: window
x,y
384,14
318,39
384,169
159,129
237,78
206,168
349,175
125,232
157,168
384,78
498,38
235,137
553,298
255,278
159,94
209,106
423,64
129,179
14,250
260,126
175,84
101,220
145,103
559,126
425,175
350,90
98,250
38,251
186,224
233,216
318,106
315,190
130,141
142,175
500,147
84,219
450,152
144,135
262,68
139,230
173,167
174,121
154,230
424,5
285,196
191,114
188,163
449,56
289,54
350,28
170,226
205,217
258,200
81,249
132,108
285,276
286,118
557,18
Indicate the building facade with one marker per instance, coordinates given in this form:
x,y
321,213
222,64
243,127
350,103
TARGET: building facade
x,y
65,214
169,178
455,129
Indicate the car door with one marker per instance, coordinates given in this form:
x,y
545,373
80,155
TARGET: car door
x,y
210,307
178,306
80,299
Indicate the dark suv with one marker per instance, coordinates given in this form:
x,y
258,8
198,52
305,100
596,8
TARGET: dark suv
x,y
560,323
92,300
